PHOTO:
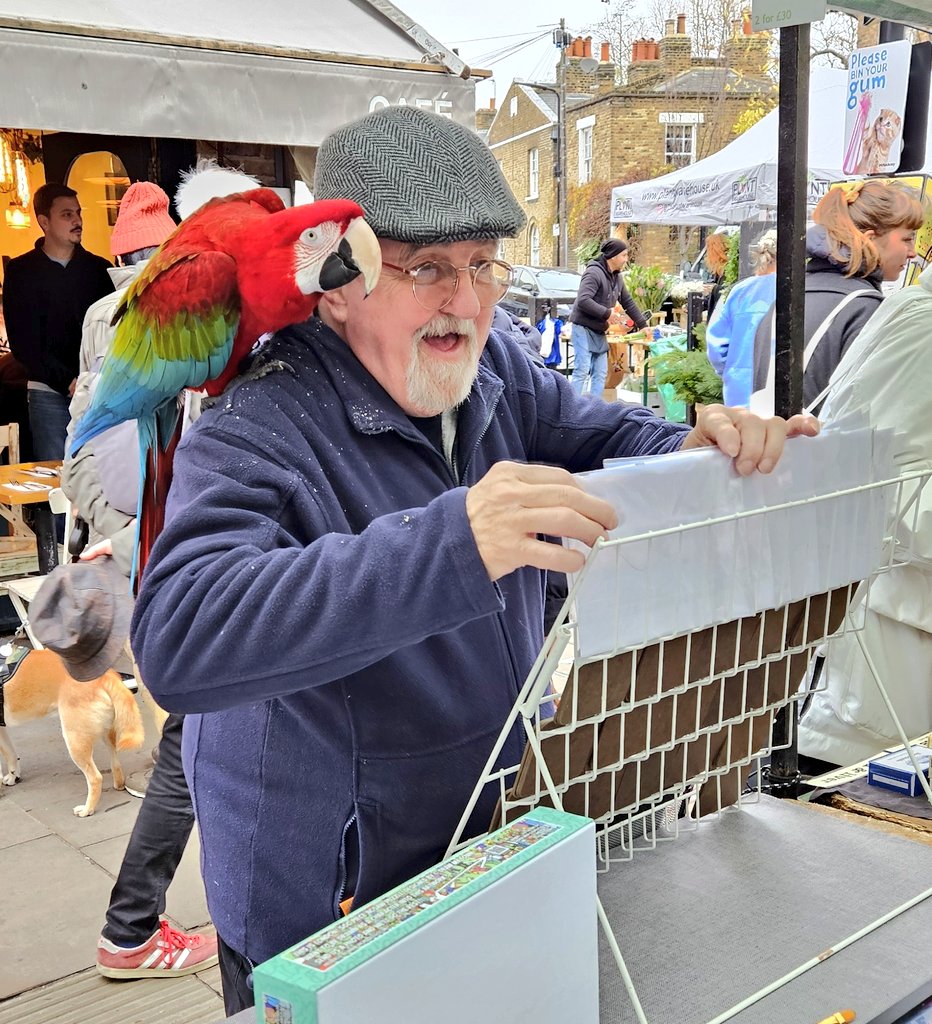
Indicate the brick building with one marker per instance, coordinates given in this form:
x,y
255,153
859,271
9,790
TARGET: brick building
x,y
673,109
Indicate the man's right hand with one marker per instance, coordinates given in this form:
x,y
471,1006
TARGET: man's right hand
x,y
513,503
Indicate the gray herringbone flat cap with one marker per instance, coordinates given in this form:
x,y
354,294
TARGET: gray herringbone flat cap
x,y
419,177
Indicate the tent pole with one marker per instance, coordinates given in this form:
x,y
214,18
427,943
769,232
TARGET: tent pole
x,y
792,162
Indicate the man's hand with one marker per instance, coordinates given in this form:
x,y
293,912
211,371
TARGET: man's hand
x,y
71,387
513,503
101,548
752,442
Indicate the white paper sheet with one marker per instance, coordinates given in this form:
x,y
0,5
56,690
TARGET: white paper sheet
x,y
638,592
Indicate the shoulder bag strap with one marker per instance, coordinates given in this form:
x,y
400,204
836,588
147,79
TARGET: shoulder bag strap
x,y
813,342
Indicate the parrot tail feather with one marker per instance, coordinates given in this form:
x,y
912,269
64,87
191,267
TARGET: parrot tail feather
x,y
158,438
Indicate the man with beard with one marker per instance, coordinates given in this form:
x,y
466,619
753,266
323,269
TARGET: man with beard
x,y
46,293
350,579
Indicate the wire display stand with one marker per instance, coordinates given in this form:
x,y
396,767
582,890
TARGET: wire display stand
x,y
653,736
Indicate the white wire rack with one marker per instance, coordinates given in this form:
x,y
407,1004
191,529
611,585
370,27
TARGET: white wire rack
x,y
655,737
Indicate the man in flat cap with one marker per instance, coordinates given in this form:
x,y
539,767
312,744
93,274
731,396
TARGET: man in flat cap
x,y
347,594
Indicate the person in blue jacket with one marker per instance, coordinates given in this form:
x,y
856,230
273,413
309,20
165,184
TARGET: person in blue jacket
x,y
730,334
348,591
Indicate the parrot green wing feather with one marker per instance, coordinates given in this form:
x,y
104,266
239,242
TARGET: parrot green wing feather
x,y
176,332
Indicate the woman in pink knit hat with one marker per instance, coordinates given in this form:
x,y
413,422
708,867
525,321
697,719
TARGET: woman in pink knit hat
x,y
143,223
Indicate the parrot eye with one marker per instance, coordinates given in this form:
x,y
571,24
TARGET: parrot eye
x,y
308,236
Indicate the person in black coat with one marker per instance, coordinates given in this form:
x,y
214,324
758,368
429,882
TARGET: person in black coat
x,y
602,286
46,293
864,234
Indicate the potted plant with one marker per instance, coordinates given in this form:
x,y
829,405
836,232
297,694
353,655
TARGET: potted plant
x,y
689,375
649,286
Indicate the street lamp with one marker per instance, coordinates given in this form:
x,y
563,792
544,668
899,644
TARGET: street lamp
x,y
561,39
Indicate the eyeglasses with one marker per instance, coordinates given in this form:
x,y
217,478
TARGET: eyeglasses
x,y
436,281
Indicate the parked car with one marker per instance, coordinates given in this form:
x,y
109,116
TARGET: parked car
x,y
535,288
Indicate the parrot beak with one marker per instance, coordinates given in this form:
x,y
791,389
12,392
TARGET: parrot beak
x,y
358,254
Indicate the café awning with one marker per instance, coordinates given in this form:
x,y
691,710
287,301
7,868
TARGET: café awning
x,y
284,73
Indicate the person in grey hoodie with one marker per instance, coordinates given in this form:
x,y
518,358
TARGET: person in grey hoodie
x,y
600,288
864,234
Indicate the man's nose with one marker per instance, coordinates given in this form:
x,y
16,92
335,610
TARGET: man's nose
x,y
465,301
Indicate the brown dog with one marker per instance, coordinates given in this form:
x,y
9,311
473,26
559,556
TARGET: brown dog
x,y
102,709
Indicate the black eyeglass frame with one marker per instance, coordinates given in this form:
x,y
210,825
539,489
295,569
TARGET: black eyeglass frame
x,y
473,268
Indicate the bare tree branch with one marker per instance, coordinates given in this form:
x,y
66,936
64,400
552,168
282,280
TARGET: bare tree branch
x,y
842,58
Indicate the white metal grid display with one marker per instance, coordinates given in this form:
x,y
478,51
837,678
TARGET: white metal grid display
x,y
657,734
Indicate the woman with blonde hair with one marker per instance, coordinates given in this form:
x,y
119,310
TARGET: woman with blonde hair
x,y
730,335
864,234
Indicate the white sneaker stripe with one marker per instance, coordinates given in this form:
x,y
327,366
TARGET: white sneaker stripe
x,y
181,959
153,956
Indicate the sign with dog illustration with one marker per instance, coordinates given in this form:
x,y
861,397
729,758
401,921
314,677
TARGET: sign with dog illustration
x,y
875,105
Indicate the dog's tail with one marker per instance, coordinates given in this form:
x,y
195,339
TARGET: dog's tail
x,y
127,721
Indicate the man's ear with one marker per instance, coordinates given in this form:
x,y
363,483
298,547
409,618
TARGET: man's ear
x,y
44,223
333,308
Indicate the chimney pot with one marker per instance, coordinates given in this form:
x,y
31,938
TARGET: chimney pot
x,y
579,47
492,103
587,46
604,53
681,24
669,26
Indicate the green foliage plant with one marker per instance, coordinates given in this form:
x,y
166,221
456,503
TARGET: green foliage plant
x,y
733,246
690,373
587,251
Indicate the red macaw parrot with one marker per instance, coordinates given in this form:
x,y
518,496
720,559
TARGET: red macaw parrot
x,y
240,267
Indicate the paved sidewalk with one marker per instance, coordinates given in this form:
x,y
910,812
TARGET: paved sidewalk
x,y
58,871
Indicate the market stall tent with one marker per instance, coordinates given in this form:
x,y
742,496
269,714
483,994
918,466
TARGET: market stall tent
x,y
739,182
285,73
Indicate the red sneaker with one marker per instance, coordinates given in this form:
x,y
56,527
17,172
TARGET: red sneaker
x,y
170,953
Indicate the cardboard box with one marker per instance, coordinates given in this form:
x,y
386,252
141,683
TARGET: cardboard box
x,y
504,930
895,771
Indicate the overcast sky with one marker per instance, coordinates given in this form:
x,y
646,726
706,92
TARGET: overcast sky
x,y
479,28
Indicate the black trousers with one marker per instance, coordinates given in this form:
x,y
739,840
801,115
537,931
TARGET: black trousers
x,y
236,978
159,837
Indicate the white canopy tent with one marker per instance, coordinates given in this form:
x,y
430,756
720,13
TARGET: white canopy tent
x,y
739,182
285,73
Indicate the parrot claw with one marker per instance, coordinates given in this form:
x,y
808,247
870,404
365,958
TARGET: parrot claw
x,y
261,368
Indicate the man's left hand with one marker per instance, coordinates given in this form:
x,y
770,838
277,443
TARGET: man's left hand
x,y
753,443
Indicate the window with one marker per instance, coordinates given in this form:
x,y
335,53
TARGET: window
x,y
535,243
584,126
680,147
513,106
585,154
533,174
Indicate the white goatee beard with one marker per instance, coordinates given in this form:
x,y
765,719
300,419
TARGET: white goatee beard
x,y
436,385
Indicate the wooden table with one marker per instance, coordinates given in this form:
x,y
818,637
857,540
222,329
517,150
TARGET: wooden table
x,y
43,522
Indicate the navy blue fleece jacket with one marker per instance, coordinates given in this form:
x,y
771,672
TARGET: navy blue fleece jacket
x,y
318,592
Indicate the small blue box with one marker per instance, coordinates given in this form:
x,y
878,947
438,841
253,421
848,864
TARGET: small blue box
x,y
895,771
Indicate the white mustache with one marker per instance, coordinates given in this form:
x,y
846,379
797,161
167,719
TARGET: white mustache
x,y
442,324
